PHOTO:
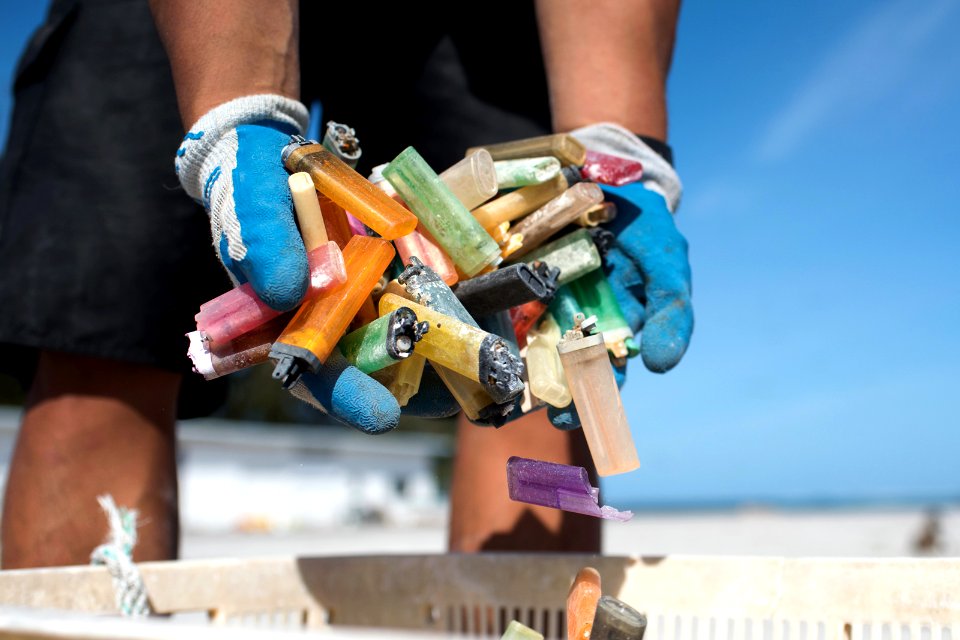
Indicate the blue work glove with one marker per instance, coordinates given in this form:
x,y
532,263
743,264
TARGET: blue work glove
x,y
647,267
230,162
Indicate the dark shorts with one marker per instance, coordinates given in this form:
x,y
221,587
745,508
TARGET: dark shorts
x,y
102,254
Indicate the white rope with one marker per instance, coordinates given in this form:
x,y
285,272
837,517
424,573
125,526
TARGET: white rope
x,y
117,554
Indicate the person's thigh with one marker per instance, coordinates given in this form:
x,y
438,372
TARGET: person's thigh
x,y
91,427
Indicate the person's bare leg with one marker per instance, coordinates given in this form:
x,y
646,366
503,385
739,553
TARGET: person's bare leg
x,y
482,516
91,427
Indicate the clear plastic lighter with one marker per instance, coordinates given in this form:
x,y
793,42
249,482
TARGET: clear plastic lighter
x,y
403,378
473,180
544,371
596,396
562,146
525,171
554,216
519,203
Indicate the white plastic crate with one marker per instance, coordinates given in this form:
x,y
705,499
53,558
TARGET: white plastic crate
x,y
684,597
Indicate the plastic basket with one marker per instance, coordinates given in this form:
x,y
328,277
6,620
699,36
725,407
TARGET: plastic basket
x,y
684,597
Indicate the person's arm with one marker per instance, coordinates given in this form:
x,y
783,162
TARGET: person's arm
x,y
607,61
224,49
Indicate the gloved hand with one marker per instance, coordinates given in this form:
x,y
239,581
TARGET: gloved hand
x,y
230,162
648,267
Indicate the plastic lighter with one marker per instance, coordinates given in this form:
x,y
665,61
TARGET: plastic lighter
x,y
420,283
564,309
445,217
522,201
524,317
384,341
544,371
342,141
575,254
471,352
555,215
562,146
403,378
317,326
335,179
616,620
518,631
582,603
506,287
525,171
473,180
559,486
597,215
216,360
418,243
608,169
589,374
595,297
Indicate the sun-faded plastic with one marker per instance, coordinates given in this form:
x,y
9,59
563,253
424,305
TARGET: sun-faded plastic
x,y
473,180
597,215
554,216
562,146
525,172
616,620
519,203
582,603
544,370
351,191
518,631
575,254
448,221
596,396
320,322
596,298
307,207
240,310
403,378
448,342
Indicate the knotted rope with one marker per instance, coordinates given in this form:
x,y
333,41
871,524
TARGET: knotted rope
x,y
117,554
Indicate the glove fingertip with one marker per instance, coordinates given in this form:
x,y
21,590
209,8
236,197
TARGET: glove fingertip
x,y
666,336
353,397
281,282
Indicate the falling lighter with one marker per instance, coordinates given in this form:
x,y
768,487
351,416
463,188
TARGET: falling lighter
x,y
347,188
582,603
445,217
519,203
317,326
384,341
594,389
559,486
616,620
471,352
555,215
562,146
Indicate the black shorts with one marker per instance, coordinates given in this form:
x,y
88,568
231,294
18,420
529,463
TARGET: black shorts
x,y
102,254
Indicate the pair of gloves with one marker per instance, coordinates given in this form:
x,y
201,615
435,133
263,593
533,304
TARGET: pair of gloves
x,y
230,162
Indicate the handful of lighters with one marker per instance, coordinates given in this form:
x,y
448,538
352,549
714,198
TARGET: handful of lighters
x,y
489,265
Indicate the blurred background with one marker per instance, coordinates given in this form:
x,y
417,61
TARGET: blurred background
x,y
816,411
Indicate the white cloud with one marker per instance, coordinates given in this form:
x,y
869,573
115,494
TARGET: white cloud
x,y
871,61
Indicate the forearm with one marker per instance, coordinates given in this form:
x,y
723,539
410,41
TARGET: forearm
x,y
224,49
608,60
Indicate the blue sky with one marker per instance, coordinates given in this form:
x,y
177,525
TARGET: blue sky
x,y
819,144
